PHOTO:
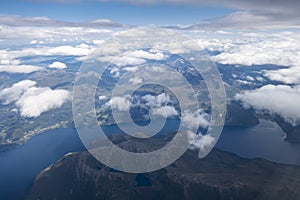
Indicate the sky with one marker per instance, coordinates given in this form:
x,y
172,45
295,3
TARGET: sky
x,y
217,14
122,12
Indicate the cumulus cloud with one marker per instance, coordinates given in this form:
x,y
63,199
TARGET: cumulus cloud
x,y
288,76
135,80
158,105
58,65
165,111
147,55
161,105
33,42
13,93
280,49
281,99
102,97
132,58
131,69
32,101
203,143
192,120
115,72
155,101
25,69
36,100
79,50
120,103
244,82
128,60
97,42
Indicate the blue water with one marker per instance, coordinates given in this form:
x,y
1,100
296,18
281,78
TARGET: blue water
x,y
262,141
19,166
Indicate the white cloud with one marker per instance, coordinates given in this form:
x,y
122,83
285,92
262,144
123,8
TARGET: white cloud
x,y
135,80
248,20
128,60
280,48
19,68
165,111
58,65
156,101
115,72
281,99
157,105
288,76
119,103
33,41
201,142
160,105
147,55
136,57
33,101
36,100
250,78
47,22
243,82
97,42
9,62
79,50
194,120
261,52
13,93
102,97
66,50
131,69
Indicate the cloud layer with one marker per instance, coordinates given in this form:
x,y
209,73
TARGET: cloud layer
x,y
281,99
25,69
47,22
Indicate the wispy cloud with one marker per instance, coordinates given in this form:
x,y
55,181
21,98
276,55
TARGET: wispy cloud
x,y
47,22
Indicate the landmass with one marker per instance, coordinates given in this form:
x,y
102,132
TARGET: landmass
x,y
220,175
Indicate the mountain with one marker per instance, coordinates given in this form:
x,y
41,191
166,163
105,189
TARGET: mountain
x,y
220,175
292,132
238,116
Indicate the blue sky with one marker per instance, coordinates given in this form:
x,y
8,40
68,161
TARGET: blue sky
x,y
119,12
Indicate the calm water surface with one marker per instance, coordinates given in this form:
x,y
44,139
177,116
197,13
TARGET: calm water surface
x,y
19,166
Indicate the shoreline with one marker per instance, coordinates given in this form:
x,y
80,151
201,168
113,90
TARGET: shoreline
x,y
23,141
